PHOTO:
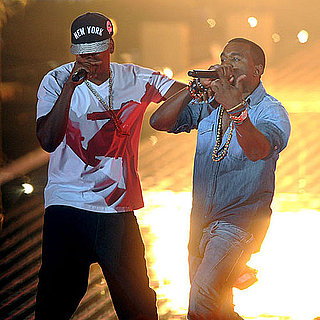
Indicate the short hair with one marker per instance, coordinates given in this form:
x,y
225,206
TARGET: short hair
x,y
256,51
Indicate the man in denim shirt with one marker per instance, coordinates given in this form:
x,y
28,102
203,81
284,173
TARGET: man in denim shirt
x,y
241,131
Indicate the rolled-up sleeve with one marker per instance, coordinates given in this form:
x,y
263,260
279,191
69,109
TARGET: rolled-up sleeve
x,y
188,119
274,123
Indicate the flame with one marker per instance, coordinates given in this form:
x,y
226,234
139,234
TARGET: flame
x,y
289,281
168,215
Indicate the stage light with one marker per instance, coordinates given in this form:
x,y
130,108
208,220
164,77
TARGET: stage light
x,y
252,22
153,140
27,188
211,22
168,72
303,36
276,37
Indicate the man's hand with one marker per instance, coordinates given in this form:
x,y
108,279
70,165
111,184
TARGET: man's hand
x,y
228,89
225,71
90,65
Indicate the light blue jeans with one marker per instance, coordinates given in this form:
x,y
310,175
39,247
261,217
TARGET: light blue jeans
x,y
223,252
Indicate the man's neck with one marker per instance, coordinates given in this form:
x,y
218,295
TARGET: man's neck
x,y
101,76
248,91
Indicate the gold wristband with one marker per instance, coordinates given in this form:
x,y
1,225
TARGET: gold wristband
x,y
242,103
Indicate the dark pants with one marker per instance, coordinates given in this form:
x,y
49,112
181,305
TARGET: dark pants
x,y
72,240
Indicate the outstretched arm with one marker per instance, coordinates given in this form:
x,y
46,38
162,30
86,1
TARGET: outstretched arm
x,y
165,117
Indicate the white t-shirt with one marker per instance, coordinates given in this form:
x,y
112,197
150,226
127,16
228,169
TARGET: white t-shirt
x,y
94,168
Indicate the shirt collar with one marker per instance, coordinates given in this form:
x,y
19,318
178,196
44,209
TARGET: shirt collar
x,y
257,95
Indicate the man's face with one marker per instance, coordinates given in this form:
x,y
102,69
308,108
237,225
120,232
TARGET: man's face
x,y
96,62
238,55
91,59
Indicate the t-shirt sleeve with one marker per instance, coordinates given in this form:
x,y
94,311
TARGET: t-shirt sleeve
x,y
156,84
50,89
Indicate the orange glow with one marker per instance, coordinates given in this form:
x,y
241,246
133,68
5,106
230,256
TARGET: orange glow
x,y
288,265
167,213
289,281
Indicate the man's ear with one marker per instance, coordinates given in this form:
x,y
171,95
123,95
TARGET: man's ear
x,y
111,45
258,70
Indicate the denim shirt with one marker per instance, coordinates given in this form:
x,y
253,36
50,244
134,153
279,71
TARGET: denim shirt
x,y
235,189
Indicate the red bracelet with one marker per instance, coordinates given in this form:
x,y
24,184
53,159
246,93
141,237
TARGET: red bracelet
x,y
237,120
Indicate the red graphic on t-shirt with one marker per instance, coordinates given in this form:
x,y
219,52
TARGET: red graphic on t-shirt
x,y
107,142
98,145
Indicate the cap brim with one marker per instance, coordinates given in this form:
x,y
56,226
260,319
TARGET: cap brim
x,y
94,47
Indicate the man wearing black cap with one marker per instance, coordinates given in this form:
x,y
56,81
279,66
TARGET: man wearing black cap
x,y
89,117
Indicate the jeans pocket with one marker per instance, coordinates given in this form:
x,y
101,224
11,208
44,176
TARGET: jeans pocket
x,y
231,233
212,228
207,234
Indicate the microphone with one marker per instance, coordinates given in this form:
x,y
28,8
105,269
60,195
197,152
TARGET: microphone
x,y
79,75
210,74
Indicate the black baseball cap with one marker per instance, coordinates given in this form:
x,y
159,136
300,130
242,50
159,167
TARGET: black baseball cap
x,y
90,33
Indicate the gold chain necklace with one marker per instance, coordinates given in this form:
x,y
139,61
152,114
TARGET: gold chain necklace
x,y
216,156
97,95
117,122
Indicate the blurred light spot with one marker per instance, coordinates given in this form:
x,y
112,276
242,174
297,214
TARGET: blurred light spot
x,y
252,22
303,36
27,188
302,183
153,140
10,90
276,37
168,72
53,64
212,23
126,57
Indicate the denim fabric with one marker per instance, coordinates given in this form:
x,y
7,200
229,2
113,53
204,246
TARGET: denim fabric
x,y
223,252
72,240
236,189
